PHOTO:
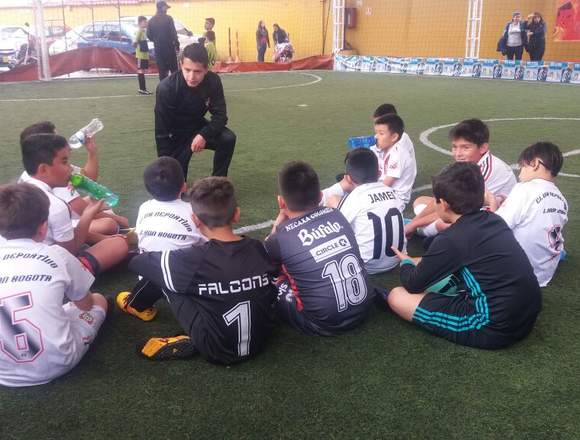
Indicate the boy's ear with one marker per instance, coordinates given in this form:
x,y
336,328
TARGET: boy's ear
x,y
42,169
236,216
483,148
351,183
281,202
41,232
196,221
184,187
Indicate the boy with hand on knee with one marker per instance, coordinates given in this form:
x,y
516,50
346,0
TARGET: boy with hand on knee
x,y
475,285
221,292
41,338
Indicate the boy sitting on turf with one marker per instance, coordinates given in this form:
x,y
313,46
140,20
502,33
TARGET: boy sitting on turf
x,y
475,285
164,223
373,211
536,210
221,292
105,223
322,287
41,338
470,143
46,160
397,165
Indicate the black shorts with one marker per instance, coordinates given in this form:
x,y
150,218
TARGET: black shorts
x,y
142,64
465,320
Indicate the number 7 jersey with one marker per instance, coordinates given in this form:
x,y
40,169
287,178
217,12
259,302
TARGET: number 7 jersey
x,y
320,260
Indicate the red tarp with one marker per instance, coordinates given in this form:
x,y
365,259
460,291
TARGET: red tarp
x,y
88,58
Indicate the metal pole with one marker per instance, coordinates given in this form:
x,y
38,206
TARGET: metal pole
x,y
43,61
64,26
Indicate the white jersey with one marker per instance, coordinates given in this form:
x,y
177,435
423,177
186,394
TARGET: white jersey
x,y
537,211
163,226
60,227
373,212
498,176
39,341
399,162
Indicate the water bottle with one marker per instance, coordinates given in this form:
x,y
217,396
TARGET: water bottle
x,y
361,142
89,187
77,140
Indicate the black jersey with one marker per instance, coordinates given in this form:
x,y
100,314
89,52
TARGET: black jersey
x,y
319,257
220,292
499,292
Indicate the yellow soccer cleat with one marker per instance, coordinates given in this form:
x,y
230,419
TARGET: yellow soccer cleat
x,y
144,315
162,349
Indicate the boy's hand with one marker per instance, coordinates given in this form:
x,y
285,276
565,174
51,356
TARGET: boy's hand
x,y
94,207
198,143
282,217
402,256
90,145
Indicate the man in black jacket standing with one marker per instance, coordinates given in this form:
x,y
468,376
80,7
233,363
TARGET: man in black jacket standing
x,y
161,30
183,99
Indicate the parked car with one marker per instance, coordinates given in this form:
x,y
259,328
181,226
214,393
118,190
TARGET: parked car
x,y
12,38
118,34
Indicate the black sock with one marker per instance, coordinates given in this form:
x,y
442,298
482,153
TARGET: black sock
x,y
141,78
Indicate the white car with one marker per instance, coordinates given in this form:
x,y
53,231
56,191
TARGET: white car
x,y
11,40
68,42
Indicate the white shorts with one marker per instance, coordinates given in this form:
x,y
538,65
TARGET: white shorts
x,y
84,325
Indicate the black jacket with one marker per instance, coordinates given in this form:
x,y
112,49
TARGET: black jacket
x,y
180,110
161,30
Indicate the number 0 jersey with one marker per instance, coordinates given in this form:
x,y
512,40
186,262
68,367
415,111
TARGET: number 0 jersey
x,y
220,292
319,257
537,212
36,337
373,212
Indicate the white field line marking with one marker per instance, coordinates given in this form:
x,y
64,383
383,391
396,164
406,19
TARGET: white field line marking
x,y
424,136
269,223
83,98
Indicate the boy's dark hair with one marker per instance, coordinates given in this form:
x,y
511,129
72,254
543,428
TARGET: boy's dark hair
x,y
362,166
211,20
299,186
141,18
472,130
393,121
164,179
210,35
213,201
461,185
40,149
43,127
384,109
17,218
547,153
195,52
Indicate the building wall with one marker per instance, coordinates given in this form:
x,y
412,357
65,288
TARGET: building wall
x,y
384,27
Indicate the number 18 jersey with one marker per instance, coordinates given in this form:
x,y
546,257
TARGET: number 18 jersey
x,y
320,259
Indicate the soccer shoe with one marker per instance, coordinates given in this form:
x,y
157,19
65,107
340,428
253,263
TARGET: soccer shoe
x,y
144,92
163,349
144,315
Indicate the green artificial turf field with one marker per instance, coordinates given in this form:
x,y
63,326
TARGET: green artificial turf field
x,y
385,379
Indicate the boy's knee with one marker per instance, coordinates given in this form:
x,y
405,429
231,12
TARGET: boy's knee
x,y
100,301
109,226
395,295
228,138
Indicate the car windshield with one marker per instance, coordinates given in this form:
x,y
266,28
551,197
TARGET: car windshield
x,y
12,32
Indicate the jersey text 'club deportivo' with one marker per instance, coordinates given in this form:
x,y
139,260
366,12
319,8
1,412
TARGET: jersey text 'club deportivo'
x,y
319,256
36,337
373,212
537,212
221,293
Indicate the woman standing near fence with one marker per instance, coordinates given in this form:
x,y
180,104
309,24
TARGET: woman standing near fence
x,y
515,37
262,40
536,37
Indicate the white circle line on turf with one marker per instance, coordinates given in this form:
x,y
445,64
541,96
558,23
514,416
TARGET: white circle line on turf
x,y
424,136
268,223
257,89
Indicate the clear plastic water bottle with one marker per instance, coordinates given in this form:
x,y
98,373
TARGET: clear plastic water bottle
x,y
361,142
77,140
89,187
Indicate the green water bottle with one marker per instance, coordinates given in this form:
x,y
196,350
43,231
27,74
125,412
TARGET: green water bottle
x,y
89,187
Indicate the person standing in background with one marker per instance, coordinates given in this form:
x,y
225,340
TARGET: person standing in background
x,y
161,31
142,54
515,37
208,25
536,31
262,40
211,49
279,35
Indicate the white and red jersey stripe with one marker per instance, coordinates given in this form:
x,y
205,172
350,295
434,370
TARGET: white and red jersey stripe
x,y
498,176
